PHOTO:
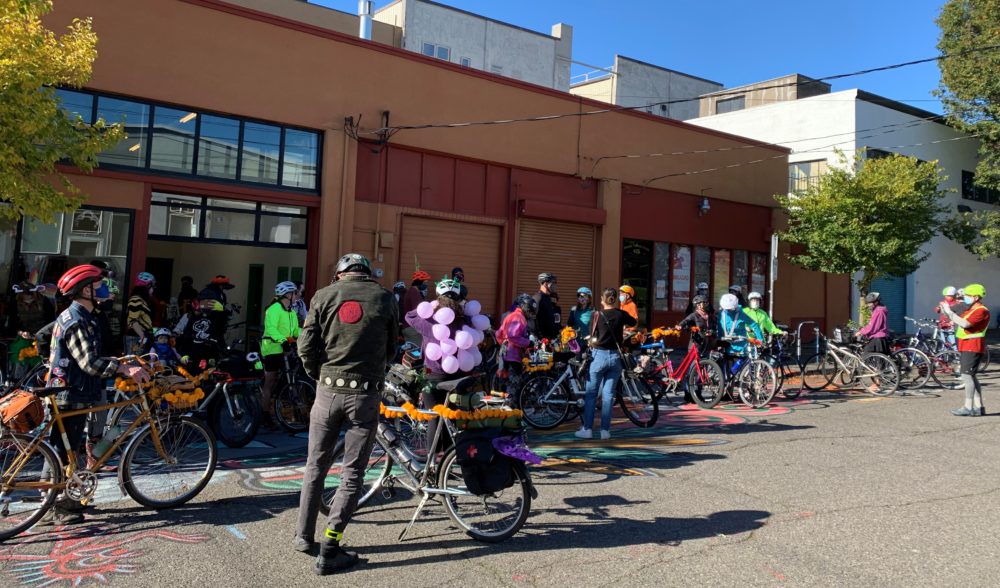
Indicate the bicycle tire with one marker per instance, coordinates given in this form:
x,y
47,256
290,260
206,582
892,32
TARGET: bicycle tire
x,y
35,506
887,374
985,363
815,372
461,509
544,404
637,400
238,425
786,384
179,437
379,467
946,368
123,417
706,391
292,405
757,383
914,368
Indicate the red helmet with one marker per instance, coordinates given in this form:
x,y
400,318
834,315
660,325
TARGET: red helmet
x,y
421,275
76,278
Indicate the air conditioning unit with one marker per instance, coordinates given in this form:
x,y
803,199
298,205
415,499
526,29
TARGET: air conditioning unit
x,y
177,207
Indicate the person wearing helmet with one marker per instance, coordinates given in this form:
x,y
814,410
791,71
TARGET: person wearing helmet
x,y
163,346
701,290
32,311
547,322
970,330
413,297
78,365
760,316
349,336
877,330
626,301
949,299
702,317
737,291
202,332
139,317
580,315
281,329
514,332
221,284
733,322
458,274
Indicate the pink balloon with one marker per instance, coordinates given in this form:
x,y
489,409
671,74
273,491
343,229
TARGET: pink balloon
x,y
425,310
478,336
448,346
444,316
441,332
481,322
464,340
433,352
434,304
450,364
472,308
477,356
465,360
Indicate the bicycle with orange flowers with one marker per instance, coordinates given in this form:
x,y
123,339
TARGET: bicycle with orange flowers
x,y
169,457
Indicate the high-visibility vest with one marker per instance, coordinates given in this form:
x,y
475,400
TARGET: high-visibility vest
x,y
961,333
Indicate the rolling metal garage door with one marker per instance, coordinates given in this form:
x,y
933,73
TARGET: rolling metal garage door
x,y
564,249
440,245
892,291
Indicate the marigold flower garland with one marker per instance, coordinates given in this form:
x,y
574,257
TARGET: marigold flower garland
x,y
451,414
28,352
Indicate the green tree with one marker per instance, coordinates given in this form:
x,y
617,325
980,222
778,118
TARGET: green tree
x,y
872,217
970,93
34,132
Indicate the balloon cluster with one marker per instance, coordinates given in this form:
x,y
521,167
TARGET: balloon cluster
x,y
460,352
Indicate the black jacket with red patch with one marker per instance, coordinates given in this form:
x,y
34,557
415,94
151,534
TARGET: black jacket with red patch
x,y
349,335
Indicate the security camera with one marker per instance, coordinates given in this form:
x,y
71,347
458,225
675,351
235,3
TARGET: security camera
x,y
704,208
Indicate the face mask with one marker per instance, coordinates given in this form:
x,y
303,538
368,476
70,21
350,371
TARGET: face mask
x,y
621,298
102,291
968,300
755,303
423,292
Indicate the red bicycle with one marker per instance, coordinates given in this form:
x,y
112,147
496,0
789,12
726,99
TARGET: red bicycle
x,y
699,377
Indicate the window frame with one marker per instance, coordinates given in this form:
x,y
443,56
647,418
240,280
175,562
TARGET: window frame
x,y
741,100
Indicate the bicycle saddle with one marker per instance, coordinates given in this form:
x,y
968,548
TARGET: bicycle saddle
x,y
43,391
452,385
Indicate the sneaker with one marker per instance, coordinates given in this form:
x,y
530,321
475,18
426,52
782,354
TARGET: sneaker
x,y
334,560
982,411
605,434
584,433
67,504
963,412
58,517
303,545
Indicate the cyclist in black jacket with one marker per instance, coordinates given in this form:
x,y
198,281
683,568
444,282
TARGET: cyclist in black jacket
x,y
547,323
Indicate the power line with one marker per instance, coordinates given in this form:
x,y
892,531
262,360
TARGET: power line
x,y
396,128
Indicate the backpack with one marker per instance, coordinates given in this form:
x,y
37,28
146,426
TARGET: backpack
x,y
484,469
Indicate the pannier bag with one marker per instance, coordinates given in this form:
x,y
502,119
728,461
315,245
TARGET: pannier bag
x,y
21,411
484,469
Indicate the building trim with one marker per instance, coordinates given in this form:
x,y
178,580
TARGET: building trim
x,y
278,21
750,87
901,107
668,70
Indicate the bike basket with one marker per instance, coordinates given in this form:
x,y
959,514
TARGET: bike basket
x,y
843,335
401,375
21,411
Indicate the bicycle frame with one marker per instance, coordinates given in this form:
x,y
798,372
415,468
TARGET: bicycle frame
x,y
693,356
840,353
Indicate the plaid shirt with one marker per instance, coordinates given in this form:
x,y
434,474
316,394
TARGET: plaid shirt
x,y
86,356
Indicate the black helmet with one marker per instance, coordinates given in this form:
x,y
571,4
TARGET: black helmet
x,y
873,297
353,262
699,299
546,277
526,303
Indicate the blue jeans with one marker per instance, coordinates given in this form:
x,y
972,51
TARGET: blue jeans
x,y
605,371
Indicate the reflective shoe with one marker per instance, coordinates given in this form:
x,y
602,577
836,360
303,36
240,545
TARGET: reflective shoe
x,y
963,412
303,545
605,434
584,434
334,559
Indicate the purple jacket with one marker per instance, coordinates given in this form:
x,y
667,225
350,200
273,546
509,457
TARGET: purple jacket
x,y
878,325
515,331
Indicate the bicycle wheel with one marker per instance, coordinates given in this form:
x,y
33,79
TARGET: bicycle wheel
x,y
757,383
706,387
789,381
23,507
492,517
379,467
637,400
543,403
947,370
818,371
236,422
292,405
156,481
914,368
985,364
878,373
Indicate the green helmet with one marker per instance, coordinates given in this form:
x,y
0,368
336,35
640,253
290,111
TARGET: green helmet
x,y
974,290
949,291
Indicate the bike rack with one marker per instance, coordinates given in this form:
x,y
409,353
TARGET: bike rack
x,y
798,337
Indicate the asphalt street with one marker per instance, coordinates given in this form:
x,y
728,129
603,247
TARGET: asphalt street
x,y
833,489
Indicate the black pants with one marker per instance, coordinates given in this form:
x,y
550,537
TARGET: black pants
x,y
878,345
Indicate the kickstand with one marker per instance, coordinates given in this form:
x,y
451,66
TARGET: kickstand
x,y
416,513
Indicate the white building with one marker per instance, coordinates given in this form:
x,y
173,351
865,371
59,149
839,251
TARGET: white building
x,y
816,126
631,82
483,43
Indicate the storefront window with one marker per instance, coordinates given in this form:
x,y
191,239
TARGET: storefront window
x,y
721,263
681,284
229,225
76,104
661,274
173,140
134,116
194,217
301,154
261,149
758,272
175,216
702,265
218,146
283,229
636,272
741,275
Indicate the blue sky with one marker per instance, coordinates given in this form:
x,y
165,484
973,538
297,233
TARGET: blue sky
x,y
738,42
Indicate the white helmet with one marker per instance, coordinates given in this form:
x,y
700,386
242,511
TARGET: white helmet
x,y
161,332
949,291
754,295
285,288
728,302
736,288
449,286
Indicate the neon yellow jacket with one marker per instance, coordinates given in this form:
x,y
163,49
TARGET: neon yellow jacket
x,y
279,325
759,316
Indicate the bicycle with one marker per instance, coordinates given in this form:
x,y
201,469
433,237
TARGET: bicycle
x,y
945,363
702,376
749,379
485,517
914,365
167,461
844,365
294,396
944,340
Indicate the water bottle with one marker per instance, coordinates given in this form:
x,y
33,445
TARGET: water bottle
x,y
106,441
736,365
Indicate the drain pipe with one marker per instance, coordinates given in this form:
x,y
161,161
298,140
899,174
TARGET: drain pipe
x,y
365,18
